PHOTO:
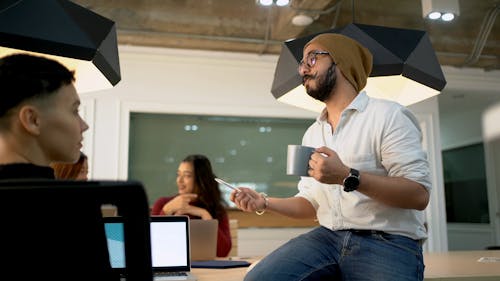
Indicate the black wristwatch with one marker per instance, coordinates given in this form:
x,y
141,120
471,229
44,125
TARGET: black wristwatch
x,y
351,182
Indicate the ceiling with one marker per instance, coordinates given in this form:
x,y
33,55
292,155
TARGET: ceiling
x,y
244,26
471,40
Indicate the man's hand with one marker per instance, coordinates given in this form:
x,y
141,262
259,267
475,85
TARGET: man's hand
x,y
248,199
326,166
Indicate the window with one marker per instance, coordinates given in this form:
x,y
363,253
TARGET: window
x,y
243,150
465,184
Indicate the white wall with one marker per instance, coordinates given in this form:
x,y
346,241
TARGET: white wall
x,y
491,135
177,81
201,82
427,113
461,126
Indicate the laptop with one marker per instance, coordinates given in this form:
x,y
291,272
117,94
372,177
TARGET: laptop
x,y
170,251
203,238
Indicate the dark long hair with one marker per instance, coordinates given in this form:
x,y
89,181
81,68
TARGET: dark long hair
x,y
209,195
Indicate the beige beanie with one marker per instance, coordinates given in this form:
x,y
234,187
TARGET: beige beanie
x,y
354,60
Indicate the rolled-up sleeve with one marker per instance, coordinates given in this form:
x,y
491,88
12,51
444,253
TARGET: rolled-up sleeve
x,y
307,190
402,154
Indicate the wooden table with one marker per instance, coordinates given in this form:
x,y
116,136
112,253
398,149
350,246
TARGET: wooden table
x,y
230,274
462,265
448,266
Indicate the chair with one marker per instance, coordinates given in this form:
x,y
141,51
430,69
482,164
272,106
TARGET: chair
x,y
54,230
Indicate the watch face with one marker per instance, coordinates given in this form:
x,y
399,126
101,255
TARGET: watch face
x,y
351,183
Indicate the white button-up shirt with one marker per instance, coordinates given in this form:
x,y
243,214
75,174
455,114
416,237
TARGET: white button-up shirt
x,y
378,137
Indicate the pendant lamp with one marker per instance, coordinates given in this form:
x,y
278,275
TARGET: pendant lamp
x,y
405,66
80,39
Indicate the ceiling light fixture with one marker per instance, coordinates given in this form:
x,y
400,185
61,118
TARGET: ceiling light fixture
x,y
446,10
302,20
404,70
306,17
447,17
78,38
279,3
265,2
282,3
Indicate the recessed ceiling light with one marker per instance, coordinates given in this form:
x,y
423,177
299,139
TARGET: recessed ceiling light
x,y
434,15
448,17
266,2
279,3
302,20
282,3
445,10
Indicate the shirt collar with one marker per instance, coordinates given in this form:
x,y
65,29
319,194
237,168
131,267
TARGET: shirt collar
x,y
359,103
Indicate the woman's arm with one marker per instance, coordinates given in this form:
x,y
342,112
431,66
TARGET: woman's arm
x,y
194,211
158,206
177,204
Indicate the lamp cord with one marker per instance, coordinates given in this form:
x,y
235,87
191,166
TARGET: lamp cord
x,y
353,14
10,6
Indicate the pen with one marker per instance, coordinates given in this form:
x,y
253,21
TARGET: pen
x,y
227,184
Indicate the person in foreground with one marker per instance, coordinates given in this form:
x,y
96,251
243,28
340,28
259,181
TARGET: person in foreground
x,y
40,124
72,171
39,119
369,179
199,197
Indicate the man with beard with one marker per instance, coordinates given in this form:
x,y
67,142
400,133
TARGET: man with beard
x,y
369,179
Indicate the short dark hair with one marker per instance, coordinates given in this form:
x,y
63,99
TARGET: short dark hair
x,y
24,76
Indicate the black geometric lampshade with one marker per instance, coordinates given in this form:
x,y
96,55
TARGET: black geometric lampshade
x,y
75,36
405,66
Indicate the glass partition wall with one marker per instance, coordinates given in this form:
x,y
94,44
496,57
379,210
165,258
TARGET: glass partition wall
x,y
243,151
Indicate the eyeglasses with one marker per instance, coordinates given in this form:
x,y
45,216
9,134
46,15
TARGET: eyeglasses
x,y
311,59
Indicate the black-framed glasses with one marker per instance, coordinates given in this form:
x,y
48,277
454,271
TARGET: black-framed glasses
x,y
311,59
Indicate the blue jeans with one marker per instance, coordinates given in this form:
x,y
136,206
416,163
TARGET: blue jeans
x,y
323,254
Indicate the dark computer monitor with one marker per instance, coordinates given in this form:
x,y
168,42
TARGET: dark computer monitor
x,y
54,230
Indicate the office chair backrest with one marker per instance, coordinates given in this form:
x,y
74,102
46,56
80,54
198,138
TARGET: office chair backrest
x,y
37,240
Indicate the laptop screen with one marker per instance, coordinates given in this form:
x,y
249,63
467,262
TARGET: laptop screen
x,y
116,241
169,243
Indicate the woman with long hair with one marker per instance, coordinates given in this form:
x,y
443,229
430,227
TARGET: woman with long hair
x,y
199,197
72,171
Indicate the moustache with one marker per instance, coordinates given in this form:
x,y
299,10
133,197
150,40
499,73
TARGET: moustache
x,y
305,77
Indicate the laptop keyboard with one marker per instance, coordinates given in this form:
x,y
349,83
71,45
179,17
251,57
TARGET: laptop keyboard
x,y
160,276
167,273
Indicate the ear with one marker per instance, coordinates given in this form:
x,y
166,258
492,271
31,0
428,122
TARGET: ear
x,y
29,117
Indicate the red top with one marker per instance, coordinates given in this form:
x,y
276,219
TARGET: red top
x,y
224,243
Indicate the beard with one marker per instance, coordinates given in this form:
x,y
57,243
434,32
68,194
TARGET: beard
x,y
325,84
